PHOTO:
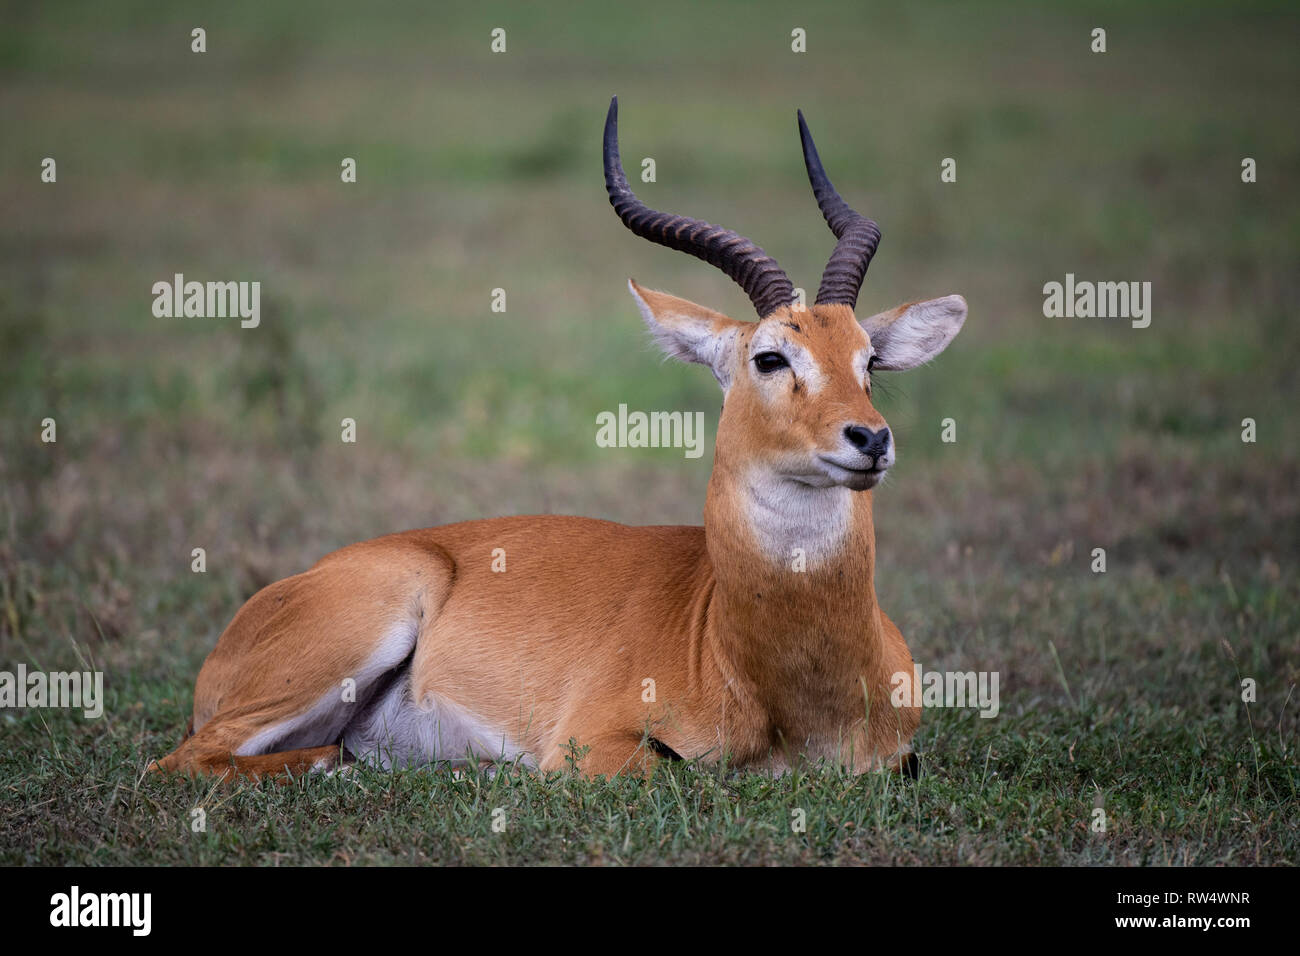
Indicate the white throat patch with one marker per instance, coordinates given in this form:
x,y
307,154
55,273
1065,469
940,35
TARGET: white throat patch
x,y
791,520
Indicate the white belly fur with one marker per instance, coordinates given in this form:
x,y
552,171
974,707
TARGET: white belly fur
x,y
397,732
391,730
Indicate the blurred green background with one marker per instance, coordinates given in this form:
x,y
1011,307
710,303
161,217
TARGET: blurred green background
x,y
479,170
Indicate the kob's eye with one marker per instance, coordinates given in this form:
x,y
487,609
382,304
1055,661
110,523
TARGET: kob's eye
x,y
770,361
871,362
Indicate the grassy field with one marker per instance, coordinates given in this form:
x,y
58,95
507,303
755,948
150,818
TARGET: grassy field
x,y
476,171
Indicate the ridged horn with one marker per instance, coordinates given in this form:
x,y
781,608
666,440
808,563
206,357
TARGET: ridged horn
x,y
766,284
858,236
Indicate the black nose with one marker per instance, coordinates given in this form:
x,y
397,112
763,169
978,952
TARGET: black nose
x,y
868,442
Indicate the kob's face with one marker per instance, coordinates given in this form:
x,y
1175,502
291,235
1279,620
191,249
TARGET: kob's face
x,y
798,382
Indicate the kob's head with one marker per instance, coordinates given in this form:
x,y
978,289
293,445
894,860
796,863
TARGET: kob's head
x,y
798,381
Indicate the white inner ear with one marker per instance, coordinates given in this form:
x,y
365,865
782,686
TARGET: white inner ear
x,y
903,338
862,364
690,338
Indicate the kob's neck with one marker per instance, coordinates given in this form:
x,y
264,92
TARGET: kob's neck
x,y
794,615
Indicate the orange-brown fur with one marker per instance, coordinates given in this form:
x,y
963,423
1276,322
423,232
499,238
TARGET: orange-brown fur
x,y
748,657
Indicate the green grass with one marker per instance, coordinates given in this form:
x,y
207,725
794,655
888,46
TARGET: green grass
x,y
477,171
1018,790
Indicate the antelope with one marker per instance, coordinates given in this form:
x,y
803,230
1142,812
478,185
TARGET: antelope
x,y
755,640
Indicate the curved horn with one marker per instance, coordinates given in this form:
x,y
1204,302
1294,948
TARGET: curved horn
x,y
858,236
763,280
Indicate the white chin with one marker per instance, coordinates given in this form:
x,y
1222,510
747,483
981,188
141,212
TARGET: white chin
x,y
849,478
863,481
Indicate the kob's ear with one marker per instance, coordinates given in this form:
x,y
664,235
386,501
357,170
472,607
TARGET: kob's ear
x,y
688,331
910,334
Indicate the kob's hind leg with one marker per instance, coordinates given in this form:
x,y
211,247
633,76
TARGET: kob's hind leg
x,y
305,656
221,763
